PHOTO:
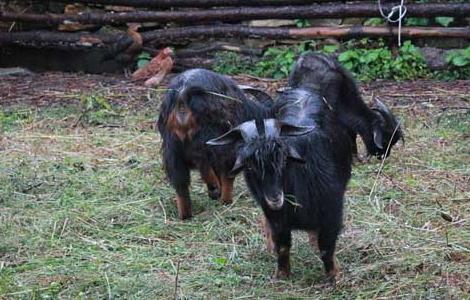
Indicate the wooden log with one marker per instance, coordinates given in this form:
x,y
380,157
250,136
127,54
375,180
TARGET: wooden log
x,y
40,38
243,13
164,36
174,35
187,53
160,4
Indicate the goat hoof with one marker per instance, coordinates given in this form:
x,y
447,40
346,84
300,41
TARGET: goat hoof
x,y
184,208
226,201
333,274
213,193
282,274
185,216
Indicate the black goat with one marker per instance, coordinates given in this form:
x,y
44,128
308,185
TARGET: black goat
x,y
297,167
198,106
377,126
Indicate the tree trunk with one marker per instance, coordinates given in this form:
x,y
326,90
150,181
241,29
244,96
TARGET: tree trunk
x,y
337,10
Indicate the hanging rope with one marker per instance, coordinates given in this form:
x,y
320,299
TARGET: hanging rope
x,y
392,17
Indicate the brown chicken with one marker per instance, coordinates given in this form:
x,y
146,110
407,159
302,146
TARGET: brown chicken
x,y
154,72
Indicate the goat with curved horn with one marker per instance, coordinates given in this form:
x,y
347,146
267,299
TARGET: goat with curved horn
x,y
297,171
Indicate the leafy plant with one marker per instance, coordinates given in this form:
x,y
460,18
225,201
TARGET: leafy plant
x,y
227,62
301,23
459,58
374,22
369,64
417,22
94,109
459,65
143,59
444,21
328,49
277,62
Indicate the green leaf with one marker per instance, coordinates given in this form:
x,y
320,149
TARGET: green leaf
x,y
142,63
220,261
103,102
374,22
444,21
346,55
348,65
459,61
417,21
330,48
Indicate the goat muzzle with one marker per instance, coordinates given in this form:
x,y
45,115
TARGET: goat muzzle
x,y
276,202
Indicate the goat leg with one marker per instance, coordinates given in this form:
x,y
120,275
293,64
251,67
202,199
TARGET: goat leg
x,y
227,188
180,180
282,244
212,182
326,245
268,234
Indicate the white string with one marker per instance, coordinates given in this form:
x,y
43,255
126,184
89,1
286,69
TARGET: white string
x,y
401,14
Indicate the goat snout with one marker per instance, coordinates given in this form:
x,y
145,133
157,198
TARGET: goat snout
x,y
275,202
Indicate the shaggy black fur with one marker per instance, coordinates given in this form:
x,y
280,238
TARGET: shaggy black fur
x,y
191,114
299,177
377,126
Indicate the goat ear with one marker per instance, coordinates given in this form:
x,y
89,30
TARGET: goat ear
x,y
378,138
382,107
259,94
227,138
294,130
237,167
294,155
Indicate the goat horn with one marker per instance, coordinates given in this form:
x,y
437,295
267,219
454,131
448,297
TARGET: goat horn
x,y
381,106
271,128
248,130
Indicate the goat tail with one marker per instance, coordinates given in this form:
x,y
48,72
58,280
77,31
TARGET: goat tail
x,y
175,98
184,95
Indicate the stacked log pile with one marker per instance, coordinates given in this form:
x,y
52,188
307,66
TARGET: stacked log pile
x,y
110,24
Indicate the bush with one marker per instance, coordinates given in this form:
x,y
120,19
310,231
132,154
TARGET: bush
x,y
366,59
459,65
227,62
369,64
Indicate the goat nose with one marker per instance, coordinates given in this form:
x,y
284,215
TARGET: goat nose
x,y
275,202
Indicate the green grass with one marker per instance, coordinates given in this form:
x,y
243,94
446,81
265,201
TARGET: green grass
x,y
86,213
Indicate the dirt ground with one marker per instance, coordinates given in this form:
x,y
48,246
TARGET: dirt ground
x,y
46,88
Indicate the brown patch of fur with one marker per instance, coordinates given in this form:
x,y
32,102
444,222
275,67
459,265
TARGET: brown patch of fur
x,y
182,131
313,239
267,233
334,272
227,188
184,207
210,178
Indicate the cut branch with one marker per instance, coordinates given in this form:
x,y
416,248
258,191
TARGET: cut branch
x,y
163,36
243,13
199,3
39,38
172,36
